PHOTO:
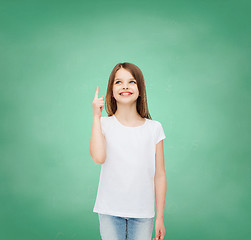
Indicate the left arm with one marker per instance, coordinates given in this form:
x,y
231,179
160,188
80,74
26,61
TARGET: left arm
x,y
160,180
160,189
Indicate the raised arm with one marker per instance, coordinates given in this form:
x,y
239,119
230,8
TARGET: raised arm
x,y
97,142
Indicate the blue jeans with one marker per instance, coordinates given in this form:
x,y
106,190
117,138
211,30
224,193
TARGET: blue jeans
x,y
121,228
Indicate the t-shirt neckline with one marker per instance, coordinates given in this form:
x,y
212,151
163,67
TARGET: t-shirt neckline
x,y
128,126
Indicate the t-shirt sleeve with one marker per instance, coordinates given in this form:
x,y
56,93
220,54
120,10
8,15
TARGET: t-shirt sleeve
x,y
102,121
159,135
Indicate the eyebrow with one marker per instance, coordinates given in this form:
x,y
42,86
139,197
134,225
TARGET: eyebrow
x,y
121,79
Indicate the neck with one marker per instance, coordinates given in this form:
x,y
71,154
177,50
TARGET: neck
x,y
127,112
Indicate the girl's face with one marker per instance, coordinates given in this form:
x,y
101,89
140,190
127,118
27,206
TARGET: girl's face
x,y
125,82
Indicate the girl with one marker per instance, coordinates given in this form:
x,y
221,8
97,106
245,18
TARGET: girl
x,y
129,145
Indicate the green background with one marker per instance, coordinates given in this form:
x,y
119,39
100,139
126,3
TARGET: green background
x,y
195,57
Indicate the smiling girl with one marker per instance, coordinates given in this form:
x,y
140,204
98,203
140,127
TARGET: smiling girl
x,y
129,146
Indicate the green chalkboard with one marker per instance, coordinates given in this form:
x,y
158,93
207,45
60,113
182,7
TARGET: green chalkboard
x,y
195,57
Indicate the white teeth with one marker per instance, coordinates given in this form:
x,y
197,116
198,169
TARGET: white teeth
x,y
125,93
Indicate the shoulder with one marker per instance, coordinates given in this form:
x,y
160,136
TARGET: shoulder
x,y
106,121
106,118
155,123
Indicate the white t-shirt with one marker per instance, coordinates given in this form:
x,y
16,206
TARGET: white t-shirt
x,y
126,184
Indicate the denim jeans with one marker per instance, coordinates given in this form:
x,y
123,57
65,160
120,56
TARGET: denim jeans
x,y
121,228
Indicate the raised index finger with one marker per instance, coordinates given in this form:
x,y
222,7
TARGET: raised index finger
x,y
96,93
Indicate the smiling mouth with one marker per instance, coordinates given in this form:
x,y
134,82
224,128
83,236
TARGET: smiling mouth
x,y
125,94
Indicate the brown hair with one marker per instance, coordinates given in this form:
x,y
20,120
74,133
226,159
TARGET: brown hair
x,y
110,101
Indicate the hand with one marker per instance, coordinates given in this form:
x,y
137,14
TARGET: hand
x,y
97,104
159,229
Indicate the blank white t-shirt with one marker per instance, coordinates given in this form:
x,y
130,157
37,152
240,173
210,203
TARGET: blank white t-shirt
x,y
126,184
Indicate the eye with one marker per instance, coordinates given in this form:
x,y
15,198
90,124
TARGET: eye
x,y
130,81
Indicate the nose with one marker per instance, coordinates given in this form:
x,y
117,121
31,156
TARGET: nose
x,y
125,87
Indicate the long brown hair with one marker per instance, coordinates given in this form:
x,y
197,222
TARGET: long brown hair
x,y
110,101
